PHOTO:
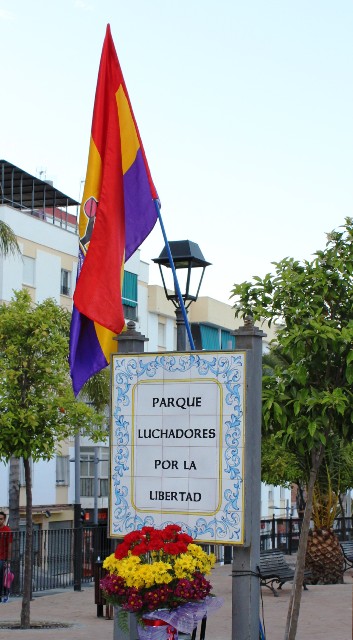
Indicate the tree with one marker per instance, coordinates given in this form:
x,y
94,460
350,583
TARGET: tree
x,y
96,391
309,402
8,241
283,465
37,406
9,247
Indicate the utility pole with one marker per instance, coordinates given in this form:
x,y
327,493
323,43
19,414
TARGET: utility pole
x,y
95,487
77,519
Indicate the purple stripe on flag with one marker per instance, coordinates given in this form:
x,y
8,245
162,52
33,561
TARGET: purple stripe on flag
x,y
86,356
140,211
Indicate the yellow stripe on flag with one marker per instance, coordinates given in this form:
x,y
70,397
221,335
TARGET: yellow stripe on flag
x,y
92,183
128,136
105,337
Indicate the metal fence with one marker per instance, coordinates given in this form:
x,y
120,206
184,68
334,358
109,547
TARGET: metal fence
x,y
284,533
54,557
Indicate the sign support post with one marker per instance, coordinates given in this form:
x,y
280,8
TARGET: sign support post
x,y
130,341
164,405
246,559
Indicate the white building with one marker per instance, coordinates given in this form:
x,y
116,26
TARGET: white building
x,y
44,221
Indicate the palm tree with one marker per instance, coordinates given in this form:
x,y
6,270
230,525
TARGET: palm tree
x,y
324,555
8,241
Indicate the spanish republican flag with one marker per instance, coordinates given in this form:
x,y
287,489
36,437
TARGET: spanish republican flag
x,y
117,214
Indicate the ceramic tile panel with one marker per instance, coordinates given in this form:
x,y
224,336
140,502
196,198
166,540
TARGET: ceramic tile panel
x,y
177,436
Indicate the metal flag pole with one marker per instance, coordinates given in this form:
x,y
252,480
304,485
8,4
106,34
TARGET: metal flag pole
x,y
176,283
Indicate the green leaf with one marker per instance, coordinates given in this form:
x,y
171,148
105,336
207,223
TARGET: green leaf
x,y
349,374
296,407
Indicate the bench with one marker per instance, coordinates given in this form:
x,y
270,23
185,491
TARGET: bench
x,y
274,568
347,549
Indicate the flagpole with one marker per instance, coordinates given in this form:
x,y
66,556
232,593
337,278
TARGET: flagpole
x,y
176,283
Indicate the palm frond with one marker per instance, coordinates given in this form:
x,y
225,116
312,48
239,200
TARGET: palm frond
x,y
8,241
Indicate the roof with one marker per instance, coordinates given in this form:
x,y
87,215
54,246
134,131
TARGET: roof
x,y
184,252
22,190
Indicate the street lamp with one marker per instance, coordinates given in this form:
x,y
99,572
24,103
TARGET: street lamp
x,y
187,257
287,508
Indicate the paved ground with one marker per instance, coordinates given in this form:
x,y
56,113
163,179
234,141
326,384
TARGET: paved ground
x,y
325,614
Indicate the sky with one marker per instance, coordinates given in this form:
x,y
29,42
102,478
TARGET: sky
x,y
244,109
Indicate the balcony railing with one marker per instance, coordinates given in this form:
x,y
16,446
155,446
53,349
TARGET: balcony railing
x,y
87,487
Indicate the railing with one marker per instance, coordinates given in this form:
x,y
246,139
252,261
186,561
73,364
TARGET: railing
x,y
53,557
284,533
53,550
87,487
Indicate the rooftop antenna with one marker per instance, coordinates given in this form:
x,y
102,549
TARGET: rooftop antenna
x,y
42,173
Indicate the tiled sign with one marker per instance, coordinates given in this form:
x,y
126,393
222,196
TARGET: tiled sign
x,y
177,437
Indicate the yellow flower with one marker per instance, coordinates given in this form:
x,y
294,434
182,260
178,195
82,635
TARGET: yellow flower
x,y
204,561
156,573
185,566
111,563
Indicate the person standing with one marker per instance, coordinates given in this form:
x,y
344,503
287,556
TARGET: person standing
x,y
5,554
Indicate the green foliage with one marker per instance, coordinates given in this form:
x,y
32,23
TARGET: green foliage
x,y
97,390
309,401
37,405
8,241
123,620
279,466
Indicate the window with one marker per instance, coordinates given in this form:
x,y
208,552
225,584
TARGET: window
x,y
86,463
29,271
129,295
65,286
227,340
62,470
130,313
209,337
87,471
130,289
161,335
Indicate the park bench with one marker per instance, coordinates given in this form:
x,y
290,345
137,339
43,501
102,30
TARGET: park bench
x,y
347,548
274,568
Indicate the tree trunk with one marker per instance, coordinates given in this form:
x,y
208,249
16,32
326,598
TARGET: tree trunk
x,y
296,594
14,494
343,516
14,520
27,582
300,500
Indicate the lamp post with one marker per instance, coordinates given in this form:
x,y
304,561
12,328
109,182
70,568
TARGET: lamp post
x,y
287,508
187,257
77,519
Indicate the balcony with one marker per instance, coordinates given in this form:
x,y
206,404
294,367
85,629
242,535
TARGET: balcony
x,y
87,487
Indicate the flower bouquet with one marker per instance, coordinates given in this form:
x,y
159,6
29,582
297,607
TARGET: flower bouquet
x,y
159,576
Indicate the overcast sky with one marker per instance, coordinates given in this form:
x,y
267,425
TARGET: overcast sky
x,y
244,108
